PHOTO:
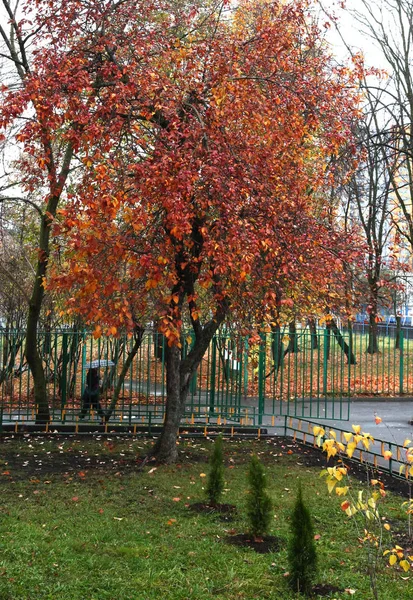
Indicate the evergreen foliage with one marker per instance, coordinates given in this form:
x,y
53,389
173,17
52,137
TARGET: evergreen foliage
x,y
259,504
302,556
215,484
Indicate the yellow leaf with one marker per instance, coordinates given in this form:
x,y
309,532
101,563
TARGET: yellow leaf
x,y
331,484
350,449
342,491
202,475
387,454
348,436
366,443
392,559
405,565
318,430
386,527
356,428
406,443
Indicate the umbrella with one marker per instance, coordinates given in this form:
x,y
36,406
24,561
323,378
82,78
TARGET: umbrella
x,y
97,364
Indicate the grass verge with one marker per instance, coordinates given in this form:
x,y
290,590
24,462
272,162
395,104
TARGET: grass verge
x,y
80,520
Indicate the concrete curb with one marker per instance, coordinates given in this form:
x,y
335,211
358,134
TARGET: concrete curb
x,y
381,399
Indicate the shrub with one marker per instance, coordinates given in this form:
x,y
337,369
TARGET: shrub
x,y
259,505
215,484
302,555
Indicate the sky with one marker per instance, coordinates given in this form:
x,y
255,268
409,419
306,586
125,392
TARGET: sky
x,y
350,31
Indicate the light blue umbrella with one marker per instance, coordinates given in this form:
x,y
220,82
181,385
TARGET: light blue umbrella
x,y
98,364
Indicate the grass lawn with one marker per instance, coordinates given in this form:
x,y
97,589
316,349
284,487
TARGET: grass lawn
x,y
80,520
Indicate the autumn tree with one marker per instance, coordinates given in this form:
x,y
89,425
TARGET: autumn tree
x,y
45,86
389,25
213,142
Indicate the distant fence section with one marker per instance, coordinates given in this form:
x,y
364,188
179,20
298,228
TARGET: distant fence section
x,y
306,374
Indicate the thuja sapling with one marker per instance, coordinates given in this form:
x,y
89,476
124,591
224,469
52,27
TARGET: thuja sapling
x,y
216,482
259,504
302,556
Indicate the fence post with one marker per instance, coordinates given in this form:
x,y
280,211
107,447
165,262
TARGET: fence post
x,y
325,361
194,377
261,377
213,375
84,353
401,365
245,366
65,361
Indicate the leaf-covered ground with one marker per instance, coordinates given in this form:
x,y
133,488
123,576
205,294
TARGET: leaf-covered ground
x,y
87,519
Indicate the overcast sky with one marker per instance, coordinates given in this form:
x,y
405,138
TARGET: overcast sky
x,y
350,30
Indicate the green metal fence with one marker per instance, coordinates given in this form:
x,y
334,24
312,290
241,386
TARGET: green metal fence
x,y
237,381
397,465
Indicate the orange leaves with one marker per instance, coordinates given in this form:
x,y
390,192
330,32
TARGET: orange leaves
x,y
151,284
191,190
97,333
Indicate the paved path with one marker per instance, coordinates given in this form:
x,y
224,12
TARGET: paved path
x,y
396,417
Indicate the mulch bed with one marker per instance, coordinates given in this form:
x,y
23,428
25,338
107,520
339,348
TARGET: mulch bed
x,y
324,589
73,459
269,543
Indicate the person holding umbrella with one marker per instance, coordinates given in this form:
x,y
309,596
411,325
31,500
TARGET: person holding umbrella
x,y
90,397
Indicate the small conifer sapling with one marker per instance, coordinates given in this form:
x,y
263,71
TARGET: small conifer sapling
x,y
216,482
302,556
259,504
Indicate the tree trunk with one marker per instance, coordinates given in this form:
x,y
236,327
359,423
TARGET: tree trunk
x,y
179,372
350,336
332,326
372,347
35,303
277,349
293,339
35,361
313,333
397,343
328,343
177,386
131,355
33,356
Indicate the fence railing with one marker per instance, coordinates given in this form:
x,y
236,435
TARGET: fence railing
x,y
302,430
304,374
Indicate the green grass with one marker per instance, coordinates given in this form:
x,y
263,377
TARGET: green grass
x,y
73,528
